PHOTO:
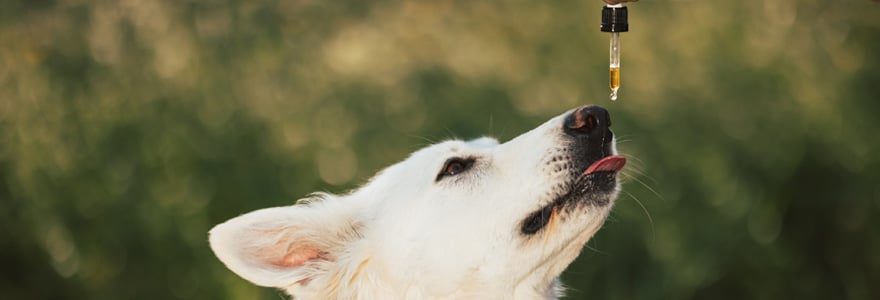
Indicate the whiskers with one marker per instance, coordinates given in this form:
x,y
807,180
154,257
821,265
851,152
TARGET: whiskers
x,y
645,210
587,245
633,172
623,139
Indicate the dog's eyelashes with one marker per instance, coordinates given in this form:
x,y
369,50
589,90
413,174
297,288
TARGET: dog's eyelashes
x,y
455,166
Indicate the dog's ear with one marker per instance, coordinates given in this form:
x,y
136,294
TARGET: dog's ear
x,y
283,246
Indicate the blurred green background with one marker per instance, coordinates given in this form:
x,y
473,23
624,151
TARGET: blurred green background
x,y
129,128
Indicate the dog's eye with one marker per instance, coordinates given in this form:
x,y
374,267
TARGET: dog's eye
x,y
455,166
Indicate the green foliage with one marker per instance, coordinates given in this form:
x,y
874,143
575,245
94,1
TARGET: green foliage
x,y
129,128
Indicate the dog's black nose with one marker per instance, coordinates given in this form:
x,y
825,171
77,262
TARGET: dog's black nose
x,y
589,121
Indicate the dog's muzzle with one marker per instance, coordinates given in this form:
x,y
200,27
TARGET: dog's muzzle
x,y
591,162
588,127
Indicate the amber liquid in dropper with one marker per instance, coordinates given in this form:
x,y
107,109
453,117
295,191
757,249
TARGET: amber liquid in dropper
x,y
614,83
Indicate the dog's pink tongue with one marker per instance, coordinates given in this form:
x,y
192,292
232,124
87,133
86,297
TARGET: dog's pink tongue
x,y
608,164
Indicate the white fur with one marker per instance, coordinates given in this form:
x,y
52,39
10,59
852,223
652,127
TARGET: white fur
x,y
403,235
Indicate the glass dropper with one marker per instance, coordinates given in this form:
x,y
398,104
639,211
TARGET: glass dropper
x,y
614,65
614,20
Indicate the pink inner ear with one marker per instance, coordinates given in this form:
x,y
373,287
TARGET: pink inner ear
x,y
297,256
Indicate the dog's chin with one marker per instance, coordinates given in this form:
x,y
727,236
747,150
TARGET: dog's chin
x,y
594,188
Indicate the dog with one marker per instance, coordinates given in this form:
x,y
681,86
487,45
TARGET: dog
x,y
455,220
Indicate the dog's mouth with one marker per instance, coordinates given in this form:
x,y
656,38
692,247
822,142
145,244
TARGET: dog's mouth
x,y
613,164
592,187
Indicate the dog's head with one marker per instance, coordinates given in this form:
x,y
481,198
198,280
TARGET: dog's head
x,y
455,218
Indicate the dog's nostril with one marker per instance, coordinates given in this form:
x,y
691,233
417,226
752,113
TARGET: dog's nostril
x,y
592,123
588,119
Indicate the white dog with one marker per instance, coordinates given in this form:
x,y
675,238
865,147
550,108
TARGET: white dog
x,y
455,220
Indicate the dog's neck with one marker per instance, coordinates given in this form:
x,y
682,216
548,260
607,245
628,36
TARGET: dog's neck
x,y
363,277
